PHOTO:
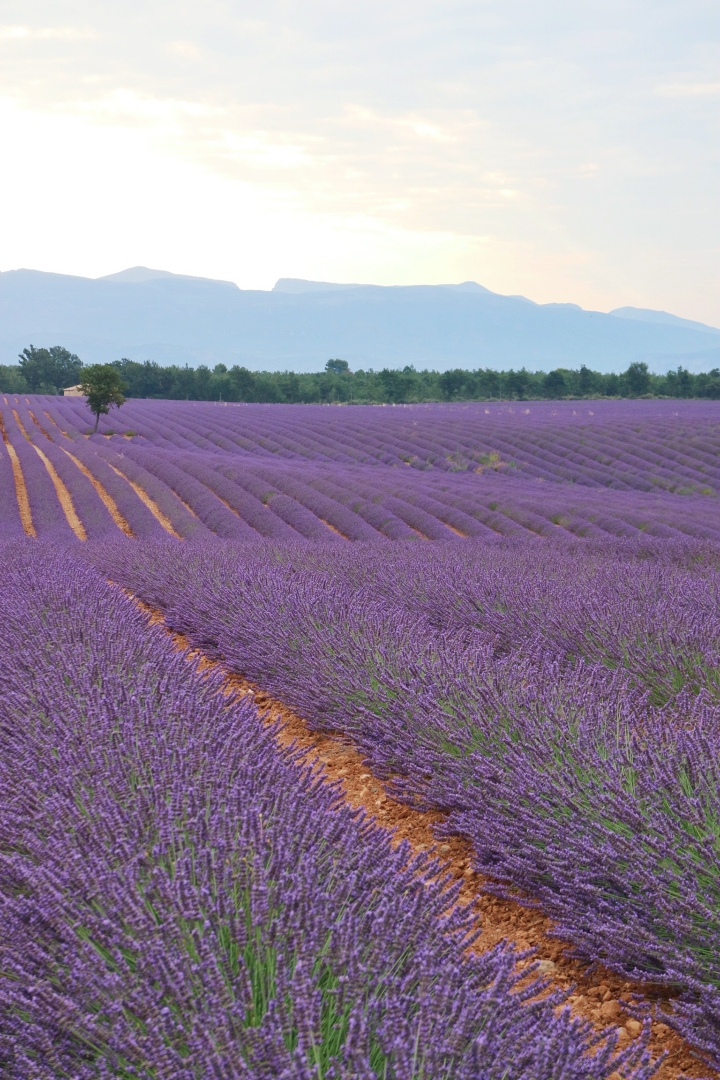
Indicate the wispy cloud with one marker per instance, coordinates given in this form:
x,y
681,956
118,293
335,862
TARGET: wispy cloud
x,y
688,89
127,105
46,33
561,150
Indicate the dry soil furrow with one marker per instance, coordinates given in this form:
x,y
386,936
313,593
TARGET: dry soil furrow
x,y
21,493
598,995
333,529
106,499
37,424
55,423
150,503
64,497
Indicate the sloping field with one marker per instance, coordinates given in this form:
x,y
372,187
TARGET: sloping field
x,y
368,473
505,618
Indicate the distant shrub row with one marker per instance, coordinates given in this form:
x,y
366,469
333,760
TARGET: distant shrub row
x,y
48,374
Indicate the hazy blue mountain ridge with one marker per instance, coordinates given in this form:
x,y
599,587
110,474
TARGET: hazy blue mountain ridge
x,y
148,314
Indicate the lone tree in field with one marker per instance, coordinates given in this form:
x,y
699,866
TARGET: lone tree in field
x,y
102,386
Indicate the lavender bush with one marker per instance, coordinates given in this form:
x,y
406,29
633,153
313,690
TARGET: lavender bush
x,y
201,500
137,515
630,445
185,523
178,899
47,514
10,524
417,472
562,709
88,505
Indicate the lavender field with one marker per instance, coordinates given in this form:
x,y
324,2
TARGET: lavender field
x,y
512,611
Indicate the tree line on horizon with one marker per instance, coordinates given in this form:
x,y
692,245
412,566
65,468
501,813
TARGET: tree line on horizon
x,y
49,371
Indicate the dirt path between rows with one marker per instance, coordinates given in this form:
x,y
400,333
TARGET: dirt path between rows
x,y
64,496
598,995
104,496
21,492
150,503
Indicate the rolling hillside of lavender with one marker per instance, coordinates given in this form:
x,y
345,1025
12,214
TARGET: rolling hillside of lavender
x,y
373,742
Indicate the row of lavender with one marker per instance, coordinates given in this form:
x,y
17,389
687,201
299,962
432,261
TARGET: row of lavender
x,y
204,493
562,707
641,445
360,503
179,899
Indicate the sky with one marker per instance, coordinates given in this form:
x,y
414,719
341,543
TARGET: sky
x,y
564,151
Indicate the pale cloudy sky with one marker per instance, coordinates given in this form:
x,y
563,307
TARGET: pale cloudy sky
x,y
564,150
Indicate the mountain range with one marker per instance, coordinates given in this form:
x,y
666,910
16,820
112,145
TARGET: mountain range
x,y
170,318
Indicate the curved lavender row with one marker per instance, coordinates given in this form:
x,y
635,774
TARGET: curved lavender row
x,y
493,503
149,428
571,783
137,515
62,422
689,515
632,445
180,518
93,514
472,503
211,440
461,520
504,500
10,524
47,513
244,442
197,496
416,518
292,513
297,486
255,513
658,622
177,899
334,485
298,517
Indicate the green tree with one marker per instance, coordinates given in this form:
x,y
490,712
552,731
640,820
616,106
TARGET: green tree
x,y
637,379
488,383
290,386
102,386
708,386
585,381
338,367
202,383
243,383
12,381
611,384
397,386
554,385
680,382
452,383
49,370
516,383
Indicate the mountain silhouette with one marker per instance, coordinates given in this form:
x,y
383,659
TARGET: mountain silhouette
x,y
171,318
